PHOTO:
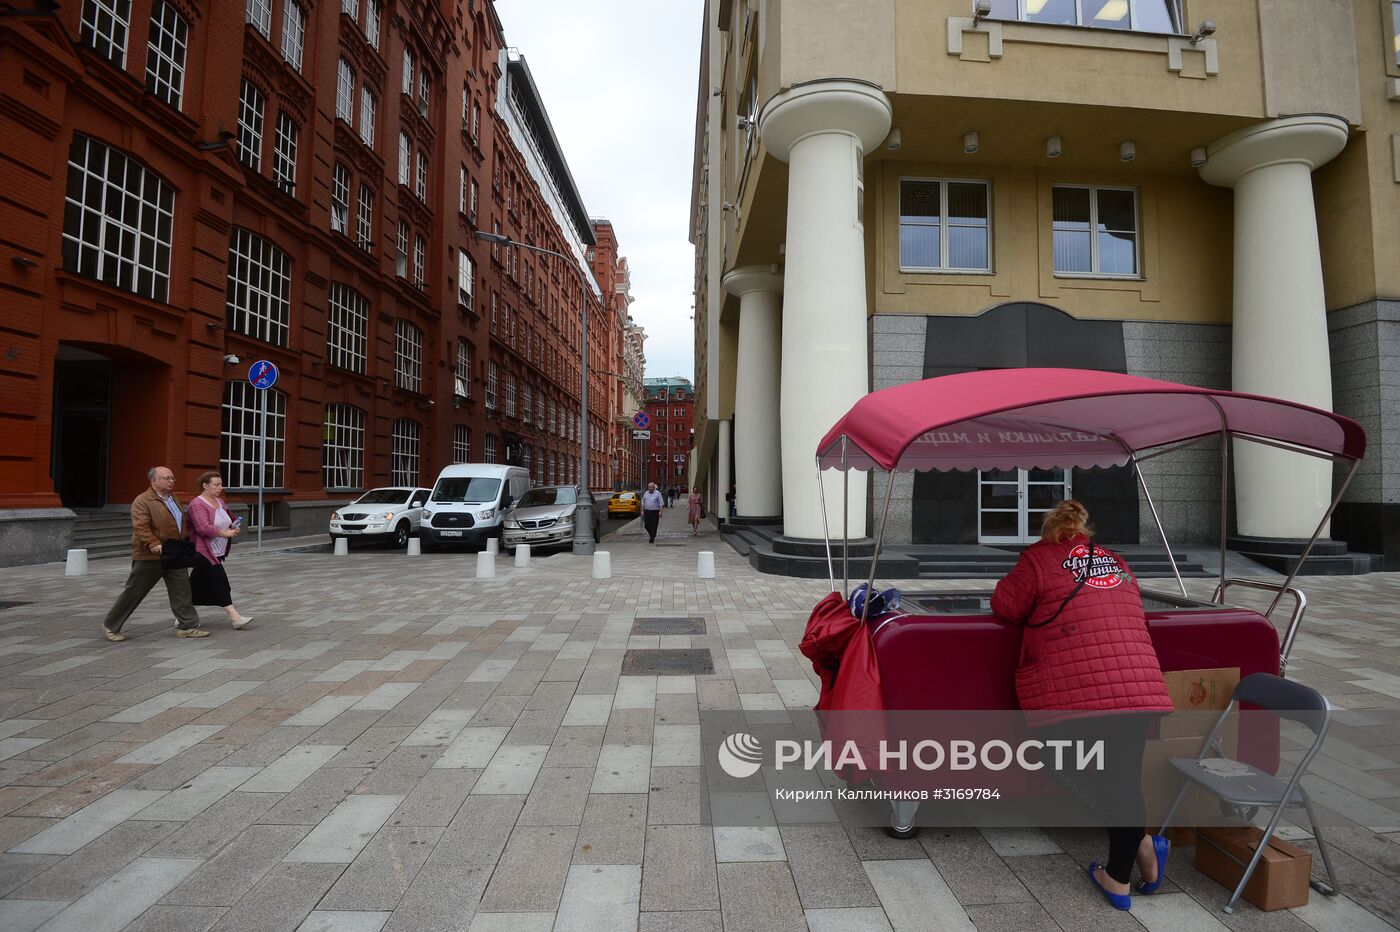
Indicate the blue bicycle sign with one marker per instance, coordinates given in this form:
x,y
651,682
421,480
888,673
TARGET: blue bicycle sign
x,y
262,374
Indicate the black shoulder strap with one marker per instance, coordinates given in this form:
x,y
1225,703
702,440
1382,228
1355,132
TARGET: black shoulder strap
x,y
1072,593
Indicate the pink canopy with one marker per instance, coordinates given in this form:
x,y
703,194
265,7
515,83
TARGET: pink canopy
x,y
1056,418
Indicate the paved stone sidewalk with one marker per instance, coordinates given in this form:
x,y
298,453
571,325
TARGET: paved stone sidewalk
x,y
397,745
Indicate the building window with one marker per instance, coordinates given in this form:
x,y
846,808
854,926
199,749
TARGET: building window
x,y
462,189
490,448
492,384
364,222
408,356
242,432
345,92
420,248
347,328
462,375
259,13
525,407
367,116
401,254
284,154
408,67
340,200
466,278
293,32
944,226
1095,230
343,452
104,28
424,90
495,311
471,202
403,469
1160,16
405,148
372,17
539,414
476,122
420,179
461,443
351,8
117,220
165,54
250,126
510,395
259,288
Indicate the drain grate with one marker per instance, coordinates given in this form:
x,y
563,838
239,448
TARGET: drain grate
x,y
667,662
690,624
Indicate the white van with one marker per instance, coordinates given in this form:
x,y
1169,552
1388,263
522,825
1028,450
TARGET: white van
x,y
469,501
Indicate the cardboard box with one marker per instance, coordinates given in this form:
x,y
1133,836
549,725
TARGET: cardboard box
x,y
1280,881
1202,690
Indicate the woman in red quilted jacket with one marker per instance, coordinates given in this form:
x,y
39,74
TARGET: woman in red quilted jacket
x,y
1088,671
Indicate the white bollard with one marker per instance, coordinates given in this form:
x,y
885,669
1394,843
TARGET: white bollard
x,y
342,546
705,565
493,545
602,564
485,565
77,563
415,547
522,554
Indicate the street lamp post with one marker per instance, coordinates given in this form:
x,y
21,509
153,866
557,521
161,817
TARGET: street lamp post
x,y
583,519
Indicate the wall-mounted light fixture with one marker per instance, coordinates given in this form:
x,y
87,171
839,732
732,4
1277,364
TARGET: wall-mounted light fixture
x,y
970,142
894,140
1207,28
23,262
1198,156
981,10
1127,150
1052,147
225,138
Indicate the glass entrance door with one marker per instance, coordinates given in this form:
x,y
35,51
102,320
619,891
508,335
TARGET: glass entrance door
x,y
1012,502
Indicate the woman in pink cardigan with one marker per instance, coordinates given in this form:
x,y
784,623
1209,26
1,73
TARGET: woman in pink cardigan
x,y
211,529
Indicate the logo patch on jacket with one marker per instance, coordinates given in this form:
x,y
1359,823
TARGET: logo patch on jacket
x,y
1105,573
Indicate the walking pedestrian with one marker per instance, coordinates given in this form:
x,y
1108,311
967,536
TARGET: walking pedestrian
x,y
697,502
652,500
212,530
731,502
155,518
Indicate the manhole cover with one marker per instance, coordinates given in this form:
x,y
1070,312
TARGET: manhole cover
x,y
692,624
5,605
667,662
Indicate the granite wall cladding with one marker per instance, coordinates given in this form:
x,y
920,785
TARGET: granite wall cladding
x,y
1365,345
896,356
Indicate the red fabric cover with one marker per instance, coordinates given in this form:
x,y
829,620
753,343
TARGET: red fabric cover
x,y
1096,656
842,653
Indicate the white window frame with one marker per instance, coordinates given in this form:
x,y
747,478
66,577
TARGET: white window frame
x,y
351,8
490,452
420,176
100,240
492,385
343,447
944,224
165,54
259,13
461,443
404,459
1087,22
462,373
367,105
106,26
259,288
373,16
401,253
293,32
425,90
408,356
472,200
526,408
251,107
1094,263
364,219
466,279
340,200
462,189
345,92
284,153
420,248
476,122
347,328
510,394
240,433
405,157
409,64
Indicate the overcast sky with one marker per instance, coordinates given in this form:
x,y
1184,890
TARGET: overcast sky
x,y
618,80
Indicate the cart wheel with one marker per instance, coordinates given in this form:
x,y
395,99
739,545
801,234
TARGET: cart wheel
x,y
895,831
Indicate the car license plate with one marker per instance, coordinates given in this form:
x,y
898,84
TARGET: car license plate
x,y
450,533
537,535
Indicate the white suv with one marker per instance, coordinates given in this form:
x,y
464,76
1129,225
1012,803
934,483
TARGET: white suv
x,y
391,513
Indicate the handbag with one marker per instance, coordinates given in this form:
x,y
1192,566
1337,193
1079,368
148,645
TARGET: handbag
x,y
178,553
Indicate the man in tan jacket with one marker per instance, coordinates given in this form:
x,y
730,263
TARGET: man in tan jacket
x,y
155,517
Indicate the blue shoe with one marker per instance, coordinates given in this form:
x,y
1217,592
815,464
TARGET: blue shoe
x,y
1117,900
1162,847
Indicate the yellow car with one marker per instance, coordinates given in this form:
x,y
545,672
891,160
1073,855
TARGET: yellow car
x,y
625,503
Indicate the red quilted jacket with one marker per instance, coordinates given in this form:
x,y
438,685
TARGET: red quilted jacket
x,y
1096,656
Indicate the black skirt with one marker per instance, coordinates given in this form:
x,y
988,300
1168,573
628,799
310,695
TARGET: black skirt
x,y
209,584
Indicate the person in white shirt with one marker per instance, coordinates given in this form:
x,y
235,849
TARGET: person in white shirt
x,y
652,500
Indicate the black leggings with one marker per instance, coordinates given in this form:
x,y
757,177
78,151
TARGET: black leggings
x,y
1113,795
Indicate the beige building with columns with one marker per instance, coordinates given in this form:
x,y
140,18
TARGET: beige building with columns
x,y
1203,191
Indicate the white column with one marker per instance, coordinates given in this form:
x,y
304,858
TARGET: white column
x,y
1279,341
758,450
822,130
723,452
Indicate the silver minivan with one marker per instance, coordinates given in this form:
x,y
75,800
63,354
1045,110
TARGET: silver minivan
x,y
469,501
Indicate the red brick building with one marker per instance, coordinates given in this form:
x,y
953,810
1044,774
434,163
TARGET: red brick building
x,y
188,181
671,404
610,270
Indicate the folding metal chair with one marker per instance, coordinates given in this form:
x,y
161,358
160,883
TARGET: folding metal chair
x,y
1257,789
